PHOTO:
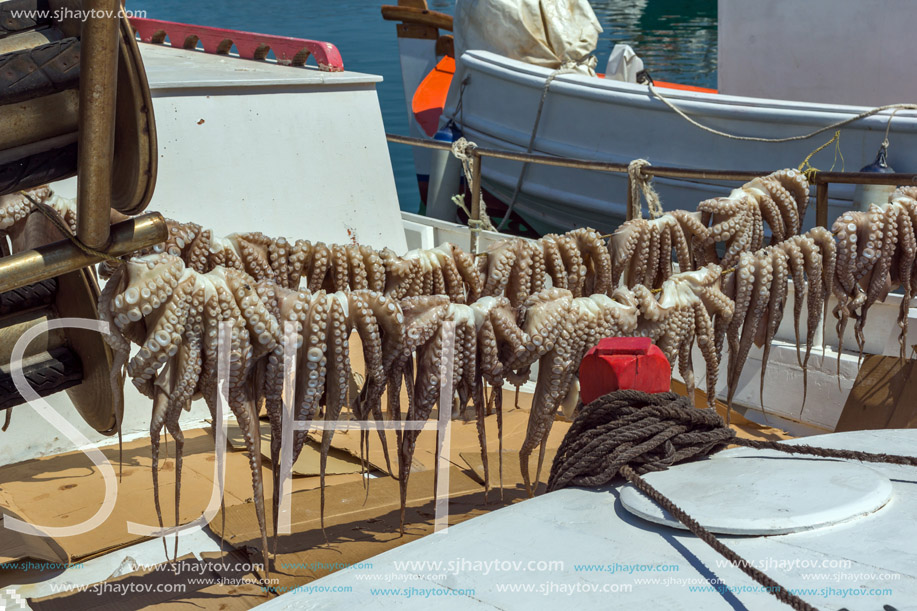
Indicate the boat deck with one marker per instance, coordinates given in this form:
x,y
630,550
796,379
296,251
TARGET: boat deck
x,y
360,524
582,542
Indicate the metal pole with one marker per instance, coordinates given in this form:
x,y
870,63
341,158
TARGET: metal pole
x,y
821,204
475,199
867,178
98,83
62,257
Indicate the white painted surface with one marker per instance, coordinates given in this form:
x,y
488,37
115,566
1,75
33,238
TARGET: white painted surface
x,y
837,51
578,527
286,151
252,146
142,556
607,120
760,494
29,436
418,57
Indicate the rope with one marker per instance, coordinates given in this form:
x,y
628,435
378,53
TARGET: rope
x,y
838,124
528,150
630,433
782,594
55,219
888,127
638,178
460,149
806,168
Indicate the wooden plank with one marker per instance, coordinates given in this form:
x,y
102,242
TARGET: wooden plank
x,y
412,14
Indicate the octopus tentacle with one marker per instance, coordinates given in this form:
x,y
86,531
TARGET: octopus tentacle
x,y
338,379
321,263
775,307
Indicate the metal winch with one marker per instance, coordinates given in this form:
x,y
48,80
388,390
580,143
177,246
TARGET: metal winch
x,y
74,100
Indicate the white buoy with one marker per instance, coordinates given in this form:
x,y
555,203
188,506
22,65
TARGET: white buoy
x,y
864,195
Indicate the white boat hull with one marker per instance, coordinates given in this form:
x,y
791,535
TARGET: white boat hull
x,y
612,121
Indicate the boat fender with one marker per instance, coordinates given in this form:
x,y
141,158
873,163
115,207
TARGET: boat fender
x,y
445,175
864,195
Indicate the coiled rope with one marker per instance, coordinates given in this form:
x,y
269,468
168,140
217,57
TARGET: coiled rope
x,y
630,433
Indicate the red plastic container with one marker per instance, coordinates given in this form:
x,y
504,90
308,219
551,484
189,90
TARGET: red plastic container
x,y
619,363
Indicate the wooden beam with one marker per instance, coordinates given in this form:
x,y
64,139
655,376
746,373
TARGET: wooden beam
x,y
445,45
821,205
418,16
414,30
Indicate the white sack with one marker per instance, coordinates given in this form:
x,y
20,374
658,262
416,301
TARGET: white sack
x,y
549,33
624,64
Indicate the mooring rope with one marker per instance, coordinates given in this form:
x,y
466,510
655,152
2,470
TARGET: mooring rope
x,y
836,125
630,433
640,180
460,149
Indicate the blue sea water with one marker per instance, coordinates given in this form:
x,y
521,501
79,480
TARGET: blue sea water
x,y
676,39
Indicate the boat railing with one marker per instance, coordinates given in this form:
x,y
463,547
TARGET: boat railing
x,y
821,180
220,41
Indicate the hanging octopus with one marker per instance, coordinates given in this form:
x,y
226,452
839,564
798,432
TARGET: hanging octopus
x,y
779,199
524,302
759,287
875,253
643,249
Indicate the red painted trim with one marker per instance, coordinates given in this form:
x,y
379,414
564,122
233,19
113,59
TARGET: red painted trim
x,y
430,97
249,45
668,85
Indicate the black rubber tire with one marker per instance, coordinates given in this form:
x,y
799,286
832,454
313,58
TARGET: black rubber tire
x,y
61,371
38,169
26,297
39,71
22,15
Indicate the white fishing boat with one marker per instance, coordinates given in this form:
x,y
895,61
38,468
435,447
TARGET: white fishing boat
x,y
781,79
249,145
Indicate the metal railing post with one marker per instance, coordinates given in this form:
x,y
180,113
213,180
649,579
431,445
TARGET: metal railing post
x,y
477,161
99,49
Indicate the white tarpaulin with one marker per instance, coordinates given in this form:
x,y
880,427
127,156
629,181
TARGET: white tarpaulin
x,y
549,33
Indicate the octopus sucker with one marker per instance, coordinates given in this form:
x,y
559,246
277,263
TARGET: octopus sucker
x,y
321,263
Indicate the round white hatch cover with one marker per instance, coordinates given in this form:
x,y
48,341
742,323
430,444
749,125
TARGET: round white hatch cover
x,y
762,494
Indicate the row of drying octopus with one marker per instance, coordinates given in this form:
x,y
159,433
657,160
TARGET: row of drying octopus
x,y
174,312
398,307
523,302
